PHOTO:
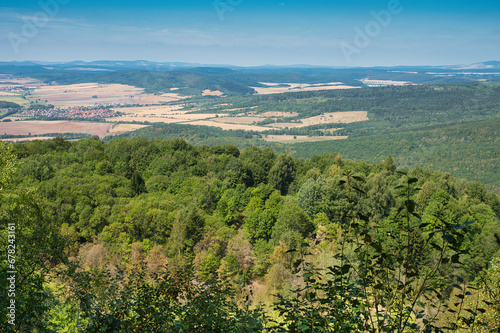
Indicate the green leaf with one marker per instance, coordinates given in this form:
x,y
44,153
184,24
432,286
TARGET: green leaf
x,y
449,239
345,269
458,227
410,205
412,180
359,190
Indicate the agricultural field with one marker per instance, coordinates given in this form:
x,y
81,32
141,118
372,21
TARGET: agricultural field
x,y
158,113
117,129
13,97
90,94
29,128
327,118
301,138
277,88
383,83
28,139
208,92
19,82
228,126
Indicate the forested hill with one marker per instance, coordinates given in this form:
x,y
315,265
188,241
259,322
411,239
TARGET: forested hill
x,y
192,80
164,236
447,127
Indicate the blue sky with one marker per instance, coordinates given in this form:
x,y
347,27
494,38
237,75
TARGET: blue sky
x,y
253,32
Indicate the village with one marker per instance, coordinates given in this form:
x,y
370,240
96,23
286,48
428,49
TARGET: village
x,y
71,112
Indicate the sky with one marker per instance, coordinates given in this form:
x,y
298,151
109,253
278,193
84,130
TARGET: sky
x,y
253,32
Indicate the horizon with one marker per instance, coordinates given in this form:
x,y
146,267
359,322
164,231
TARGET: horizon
x,y
240,33
231,66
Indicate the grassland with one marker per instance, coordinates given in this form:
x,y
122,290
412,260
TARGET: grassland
x,y
12,97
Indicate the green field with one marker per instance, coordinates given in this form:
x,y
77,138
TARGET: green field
x,y
18,99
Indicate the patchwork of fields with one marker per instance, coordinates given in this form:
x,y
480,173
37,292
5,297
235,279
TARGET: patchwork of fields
x,y
277,88
90,94
139,107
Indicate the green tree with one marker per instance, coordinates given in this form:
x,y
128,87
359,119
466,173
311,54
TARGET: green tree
x,y
137,184
282,173
33,248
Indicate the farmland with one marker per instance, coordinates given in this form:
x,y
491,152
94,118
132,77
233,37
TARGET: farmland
x,y
90,94
29,128
276,88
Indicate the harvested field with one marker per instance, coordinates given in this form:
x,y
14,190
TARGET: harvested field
x,y
327,118
124,128
274,89
270,114
45,127
225,126
89,94
208,92
237,120
8,93
301,138
13,97
380,83
159,113
153,110
22,82
28,139
252,117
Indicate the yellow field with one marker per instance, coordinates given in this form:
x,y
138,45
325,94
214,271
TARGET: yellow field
x,y
45,127
228,126
270,114
21,82
327,118
124,128
89,94
208,92
380,83
301,138
12,97
159,113
28,139
274,89
237,120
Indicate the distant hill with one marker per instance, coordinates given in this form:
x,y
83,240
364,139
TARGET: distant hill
x,y
193,79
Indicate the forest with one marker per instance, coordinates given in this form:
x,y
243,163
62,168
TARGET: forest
x,y
443,126
137,235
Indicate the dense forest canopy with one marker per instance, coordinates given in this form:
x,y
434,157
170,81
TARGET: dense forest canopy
x,y
138,235
451,128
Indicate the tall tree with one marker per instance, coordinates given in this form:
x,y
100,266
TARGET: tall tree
x,y
282,173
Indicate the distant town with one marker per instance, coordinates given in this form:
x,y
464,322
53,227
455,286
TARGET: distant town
x,y
71,112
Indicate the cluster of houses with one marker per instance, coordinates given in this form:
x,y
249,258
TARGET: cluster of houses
x,y
71,113
17,89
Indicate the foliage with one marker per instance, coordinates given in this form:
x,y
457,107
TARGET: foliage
x,y
385,244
